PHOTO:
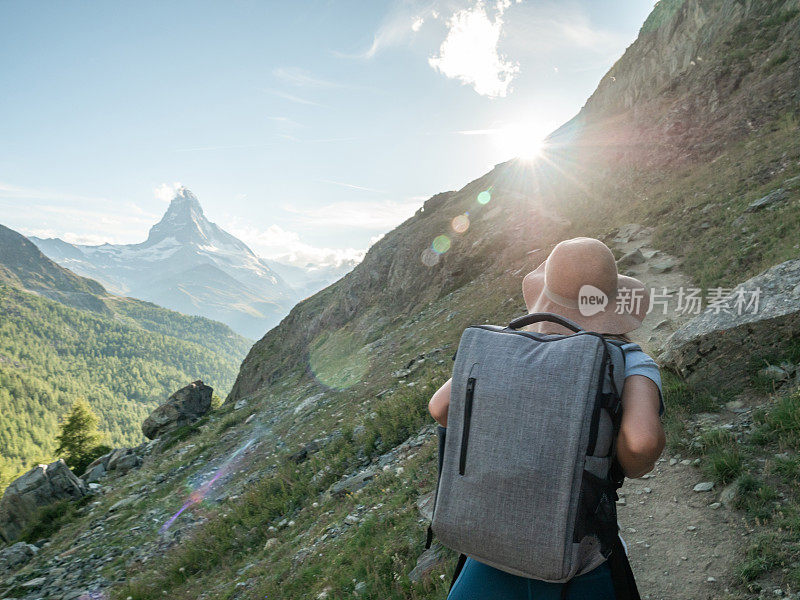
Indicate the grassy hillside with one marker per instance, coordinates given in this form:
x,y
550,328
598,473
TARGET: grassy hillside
x,y
656,144
62,337
680,144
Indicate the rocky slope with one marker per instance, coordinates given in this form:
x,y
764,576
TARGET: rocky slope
x,y
188,264
311,479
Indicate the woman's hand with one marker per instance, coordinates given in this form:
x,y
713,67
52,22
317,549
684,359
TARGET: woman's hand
x,y
440,402
641,436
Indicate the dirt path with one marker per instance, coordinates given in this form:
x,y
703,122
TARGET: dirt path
x,y
681,543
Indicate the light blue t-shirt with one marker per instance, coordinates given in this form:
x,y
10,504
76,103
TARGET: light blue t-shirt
x,y
638,362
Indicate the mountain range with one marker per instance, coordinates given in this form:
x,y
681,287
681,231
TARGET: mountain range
x,y
316,477
191,265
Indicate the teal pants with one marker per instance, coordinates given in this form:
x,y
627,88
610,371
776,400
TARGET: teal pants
x,y
478,581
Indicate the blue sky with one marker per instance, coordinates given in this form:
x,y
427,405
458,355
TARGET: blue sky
x,y
305,128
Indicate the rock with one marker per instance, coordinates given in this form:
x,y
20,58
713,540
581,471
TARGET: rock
x,y
634,257
425,505
628,232
673,462
714,505
271,542
184,406
308,402
728,494
36,582
123,503
240,404
663,266
774,197
774,373
426,562
93,475
722,346
353,483
41,486
704,486
662,324
360,589
15,556
123,460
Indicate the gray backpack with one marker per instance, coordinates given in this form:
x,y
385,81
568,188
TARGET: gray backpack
x,y
526,482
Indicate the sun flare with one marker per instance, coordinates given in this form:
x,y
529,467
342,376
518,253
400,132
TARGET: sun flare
x,y
521,141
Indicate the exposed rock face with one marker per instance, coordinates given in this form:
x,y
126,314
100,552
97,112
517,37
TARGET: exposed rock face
x,y
39,487
184,406
726,346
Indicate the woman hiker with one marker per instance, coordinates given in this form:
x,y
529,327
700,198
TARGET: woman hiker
x,y
554,287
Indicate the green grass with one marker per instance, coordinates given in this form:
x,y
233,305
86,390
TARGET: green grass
x,y
50,519
723,465
770,497
239,532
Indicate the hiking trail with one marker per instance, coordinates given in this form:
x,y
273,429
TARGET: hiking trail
x,y
681,543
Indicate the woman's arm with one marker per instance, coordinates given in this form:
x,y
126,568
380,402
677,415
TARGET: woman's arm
x,y
440,402
641,436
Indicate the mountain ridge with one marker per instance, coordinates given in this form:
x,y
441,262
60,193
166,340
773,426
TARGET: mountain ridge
x,y
327,430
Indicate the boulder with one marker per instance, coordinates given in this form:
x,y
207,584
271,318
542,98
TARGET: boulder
x,y
41,486
182,408
15,556
727,346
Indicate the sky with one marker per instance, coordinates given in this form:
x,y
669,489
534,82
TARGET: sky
x,y
307,128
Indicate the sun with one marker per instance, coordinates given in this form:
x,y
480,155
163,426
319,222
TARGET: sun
x,y
521,141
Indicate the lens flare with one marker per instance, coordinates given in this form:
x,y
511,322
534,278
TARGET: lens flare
x,y
202,492
460,223
441,244
339,360
429,258
484,197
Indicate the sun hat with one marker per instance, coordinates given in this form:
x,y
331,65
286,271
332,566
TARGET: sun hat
x,y
579,280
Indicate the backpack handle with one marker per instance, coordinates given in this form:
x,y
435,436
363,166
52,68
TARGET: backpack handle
x,y
543,316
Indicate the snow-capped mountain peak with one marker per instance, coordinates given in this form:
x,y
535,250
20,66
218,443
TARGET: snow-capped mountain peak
x,y
184,221
187,264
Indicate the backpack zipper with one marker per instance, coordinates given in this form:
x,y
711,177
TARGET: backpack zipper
x,y
465,430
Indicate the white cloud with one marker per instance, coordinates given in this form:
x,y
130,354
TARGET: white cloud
x,y
166,191
470,54
302,78
352,186
276,243
405,19
381,215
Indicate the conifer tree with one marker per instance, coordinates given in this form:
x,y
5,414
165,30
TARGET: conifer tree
x,y
79,441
